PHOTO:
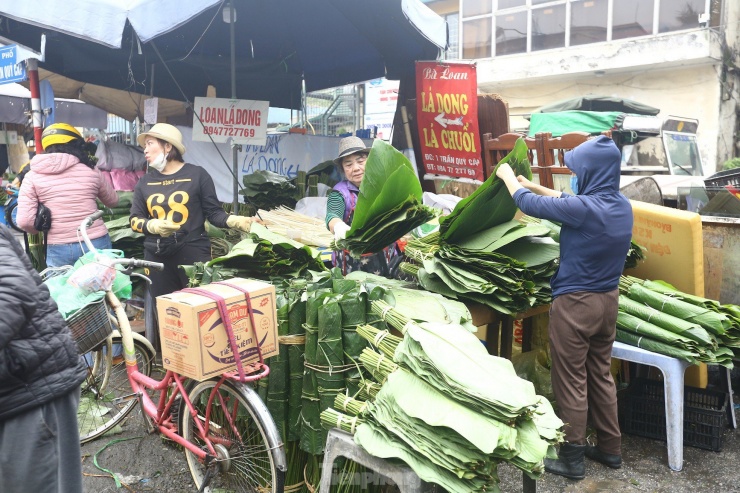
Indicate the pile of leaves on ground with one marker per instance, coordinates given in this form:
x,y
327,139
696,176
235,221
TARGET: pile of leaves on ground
x,y
656,316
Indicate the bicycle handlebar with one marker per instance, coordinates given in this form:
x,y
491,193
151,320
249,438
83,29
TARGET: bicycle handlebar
x,y
134,263
129,262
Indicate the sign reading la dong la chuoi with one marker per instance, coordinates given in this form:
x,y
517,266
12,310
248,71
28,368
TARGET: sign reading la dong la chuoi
x,y
230,120
447,116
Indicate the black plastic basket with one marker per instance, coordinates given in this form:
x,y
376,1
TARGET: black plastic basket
x,y
90,325
704,414
727,177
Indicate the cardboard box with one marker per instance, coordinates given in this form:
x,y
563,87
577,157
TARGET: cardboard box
x,y
194,340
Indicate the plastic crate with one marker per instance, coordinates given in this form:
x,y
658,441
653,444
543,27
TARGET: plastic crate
x,y
704,414
727,177
90,325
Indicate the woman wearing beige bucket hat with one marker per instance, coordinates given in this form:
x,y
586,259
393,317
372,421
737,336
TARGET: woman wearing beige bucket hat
x,y
340,208
170,206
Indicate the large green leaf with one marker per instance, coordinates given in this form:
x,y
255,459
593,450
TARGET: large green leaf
x,y
389,181
492,239
489,205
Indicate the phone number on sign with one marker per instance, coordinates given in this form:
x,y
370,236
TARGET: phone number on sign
x,y
450,170
229,132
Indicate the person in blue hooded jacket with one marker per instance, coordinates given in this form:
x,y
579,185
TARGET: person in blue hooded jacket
x,y
594,241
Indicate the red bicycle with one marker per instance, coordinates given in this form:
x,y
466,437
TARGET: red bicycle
x,y
229,437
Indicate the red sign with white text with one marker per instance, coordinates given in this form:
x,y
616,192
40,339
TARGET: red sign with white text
x,y
447,116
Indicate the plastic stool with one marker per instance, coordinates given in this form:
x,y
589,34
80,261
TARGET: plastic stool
x,y
673,372
340,443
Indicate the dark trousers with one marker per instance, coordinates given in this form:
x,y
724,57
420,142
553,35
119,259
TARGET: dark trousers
x,y
582,331
172,278
40,449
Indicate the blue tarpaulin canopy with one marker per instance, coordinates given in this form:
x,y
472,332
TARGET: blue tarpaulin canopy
x,y
132,45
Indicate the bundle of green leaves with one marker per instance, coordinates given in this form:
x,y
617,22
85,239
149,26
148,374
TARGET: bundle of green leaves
x,y
267,190
481,254
388,205
440,386
264,254
656,316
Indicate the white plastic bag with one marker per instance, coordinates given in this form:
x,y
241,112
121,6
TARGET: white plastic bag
x,y
95,276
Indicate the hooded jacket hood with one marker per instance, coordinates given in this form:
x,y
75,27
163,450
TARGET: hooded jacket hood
x,y
596,163
53,163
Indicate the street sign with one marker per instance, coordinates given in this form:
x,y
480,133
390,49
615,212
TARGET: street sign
x,y
11,70
240,120
447,119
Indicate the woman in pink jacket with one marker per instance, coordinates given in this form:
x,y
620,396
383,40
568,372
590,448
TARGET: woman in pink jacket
x,y
65,180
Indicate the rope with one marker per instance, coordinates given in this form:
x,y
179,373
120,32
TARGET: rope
x,y
328,369
292,340
380,360
379,337
294,487
309,486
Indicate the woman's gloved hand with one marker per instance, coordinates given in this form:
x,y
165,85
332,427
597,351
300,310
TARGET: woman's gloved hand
x,y
161,227
340,230
242,223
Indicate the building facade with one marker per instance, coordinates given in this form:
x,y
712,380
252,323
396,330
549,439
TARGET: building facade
x,y
681,56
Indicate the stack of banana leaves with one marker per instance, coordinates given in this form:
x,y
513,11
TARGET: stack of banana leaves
x,y
124,238
267,190
261,254
122,208
388,205
656,316
445,406
481,254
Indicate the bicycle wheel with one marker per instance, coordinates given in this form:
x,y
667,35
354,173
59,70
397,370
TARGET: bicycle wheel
x,y
242,434
106,396
11,209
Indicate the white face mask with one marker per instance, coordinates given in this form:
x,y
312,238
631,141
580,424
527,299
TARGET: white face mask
x,y
158,162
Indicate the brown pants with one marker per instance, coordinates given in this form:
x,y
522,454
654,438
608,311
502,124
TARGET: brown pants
x,y
582,331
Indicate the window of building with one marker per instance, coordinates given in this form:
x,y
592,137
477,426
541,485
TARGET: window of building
x,y
632,18
588,21
477,38
676,15
453,50
507,4
548,27
511,33
520,26
471,8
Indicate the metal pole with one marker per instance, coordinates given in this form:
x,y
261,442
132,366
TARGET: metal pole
x,y
33,78
234,147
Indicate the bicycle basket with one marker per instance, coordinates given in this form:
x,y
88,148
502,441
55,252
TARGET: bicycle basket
x,y
90,325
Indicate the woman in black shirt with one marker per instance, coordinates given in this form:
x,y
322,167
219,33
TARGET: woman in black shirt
x,y
170,206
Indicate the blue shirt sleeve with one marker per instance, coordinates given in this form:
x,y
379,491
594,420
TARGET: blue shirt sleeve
x,y
567,209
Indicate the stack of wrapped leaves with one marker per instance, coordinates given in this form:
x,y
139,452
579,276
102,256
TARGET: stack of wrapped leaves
x,y
446,407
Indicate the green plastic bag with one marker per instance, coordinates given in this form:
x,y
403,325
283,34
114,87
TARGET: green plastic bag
x,y
70,299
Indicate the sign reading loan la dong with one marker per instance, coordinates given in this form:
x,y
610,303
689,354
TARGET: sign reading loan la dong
x,y
230,120
447,116
10,69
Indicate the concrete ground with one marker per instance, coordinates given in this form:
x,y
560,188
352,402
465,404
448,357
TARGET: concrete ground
x,y
645,469
146,464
